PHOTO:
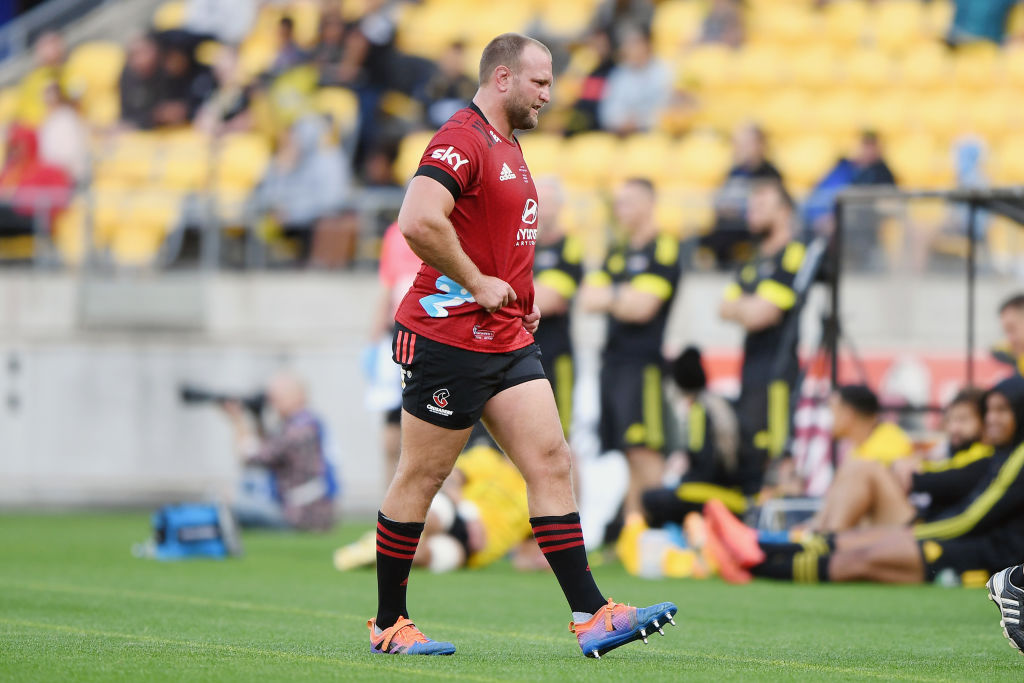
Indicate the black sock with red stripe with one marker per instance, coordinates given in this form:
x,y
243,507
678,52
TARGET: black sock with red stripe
x,y
396,546
561,541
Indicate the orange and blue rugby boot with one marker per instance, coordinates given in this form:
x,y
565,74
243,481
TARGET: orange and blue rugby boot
x,y
615,624
404,639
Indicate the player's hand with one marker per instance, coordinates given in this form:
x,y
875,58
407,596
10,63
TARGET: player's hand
x,y
492,293
531,321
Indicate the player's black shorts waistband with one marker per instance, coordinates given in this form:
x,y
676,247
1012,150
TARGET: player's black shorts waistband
x,y
448,386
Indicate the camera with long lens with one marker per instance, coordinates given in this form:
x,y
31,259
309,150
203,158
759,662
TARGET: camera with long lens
x,y
253,403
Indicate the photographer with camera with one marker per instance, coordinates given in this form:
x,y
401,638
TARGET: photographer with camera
x,y
302,481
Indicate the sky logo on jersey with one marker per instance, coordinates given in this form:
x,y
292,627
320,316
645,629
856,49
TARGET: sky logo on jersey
x,y
450,294
530,212
450,157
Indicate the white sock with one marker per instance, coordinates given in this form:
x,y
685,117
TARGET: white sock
x,y
581,617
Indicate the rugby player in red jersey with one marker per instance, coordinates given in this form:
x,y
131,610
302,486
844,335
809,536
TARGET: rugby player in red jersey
x,y
464,339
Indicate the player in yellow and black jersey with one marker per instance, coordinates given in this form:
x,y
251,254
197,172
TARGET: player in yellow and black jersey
x,y
557,271
635,289
762,300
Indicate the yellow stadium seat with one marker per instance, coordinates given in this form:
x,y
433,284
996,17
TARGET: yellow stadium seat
x,y
427,29
938,18
240,161
676,23
256,55
804,160
410,151
705,67
994,113
544,153
1007,164
1013,63
94,67
785,23
845,22
784,112
899,24
888,112
977,66
8,105
185,163
169,15
590,158
914,160
342,106
702,160
306,15
566,18
926,66
840,113
942,113
646,155
102,109
723,111
869,68
130,159
814,66
760,65
69,231
586,214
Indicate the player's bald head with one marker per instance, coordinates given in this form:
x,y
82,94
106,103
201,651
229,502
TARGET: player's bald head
x,y
506,50
287,392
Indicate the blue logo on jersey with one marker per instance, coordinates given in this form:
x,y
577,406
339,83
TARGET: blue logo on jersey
x,y
452,294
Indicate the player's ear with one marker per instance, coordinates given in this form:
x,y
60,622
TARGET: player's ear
x,y
503,77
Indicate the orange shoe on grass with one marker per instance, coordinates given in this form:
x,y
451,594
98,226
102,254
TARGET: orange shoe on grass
x,y
403,638
739,539
614,625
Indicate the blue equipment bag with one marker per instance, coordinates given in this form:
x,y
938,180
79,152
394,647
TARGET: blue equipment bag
x,y
193,530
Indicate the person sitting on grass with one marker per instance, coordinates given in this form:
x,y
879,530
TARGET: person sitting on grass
x,y
479,516
869,491
965,543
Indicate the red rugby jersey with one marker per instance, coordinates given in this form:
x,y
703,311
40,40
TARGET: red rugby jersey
x,y
495,217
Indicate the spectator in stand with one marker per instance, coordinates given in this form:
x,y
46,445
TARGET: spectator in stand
x,y
49,61
329,53
306,192
64,136
227,109
729,240
449,89
184,82
140,83
583,116
1011,320
637,89
723,24
866,167
29,188
979,20
289,54
613,14
226,21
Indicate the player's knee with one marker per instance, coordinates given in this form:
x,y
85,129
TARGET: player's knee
x,y
551,463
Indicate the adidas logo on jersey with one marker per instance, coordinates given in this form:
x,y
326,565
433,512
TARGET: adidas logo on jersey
x,y
506,173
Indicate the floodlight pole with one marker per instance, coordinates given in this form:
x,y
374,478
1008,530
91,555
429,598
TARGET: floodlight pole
x,y
972,275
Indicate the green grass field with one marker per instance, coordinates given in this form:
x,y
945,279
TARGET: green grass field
x,y
75,605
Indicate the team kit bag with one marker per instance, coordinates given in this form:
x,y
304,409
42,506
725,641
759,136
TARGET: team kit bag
x,y
189,530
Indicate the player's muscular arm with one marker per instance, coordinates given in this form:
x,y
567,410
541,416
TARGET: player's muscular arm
x,y
752,312
424,222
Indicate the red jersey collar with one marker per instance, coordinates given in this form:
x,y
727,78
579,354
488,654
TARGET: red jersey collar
x,y
514,142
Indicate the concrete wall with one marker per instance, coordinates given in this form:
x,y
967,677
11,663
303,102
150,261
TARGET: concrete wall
x,y
89,370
